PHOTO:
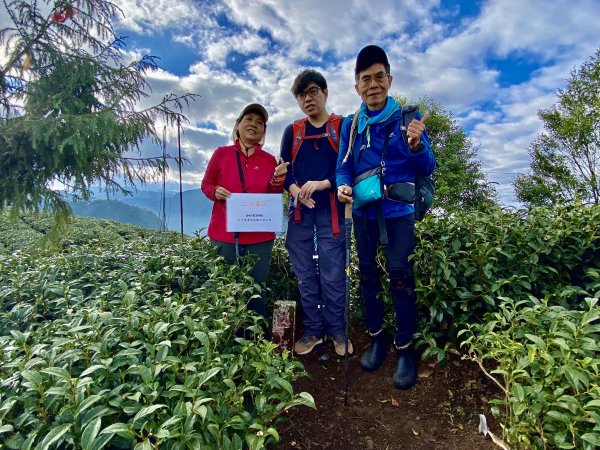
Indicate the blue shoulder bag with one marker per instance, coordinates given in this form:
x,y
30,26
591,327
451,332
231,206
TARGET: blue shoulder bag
x,y
367,187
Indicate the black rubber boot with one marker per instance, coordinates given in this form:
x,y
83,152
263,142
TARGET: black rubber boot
x,y
405,373
374,356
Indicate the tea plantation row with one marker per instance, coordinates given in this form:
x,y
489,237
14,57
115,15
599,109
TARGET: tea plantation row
x,y
121,336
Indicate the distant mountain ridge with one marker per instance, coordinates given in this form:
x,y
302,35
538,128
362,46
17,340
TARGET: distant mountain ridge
x,y
144,208
117,211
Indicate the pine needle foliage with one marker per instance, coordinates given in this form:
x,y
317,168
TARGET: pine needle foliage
x,y
70,104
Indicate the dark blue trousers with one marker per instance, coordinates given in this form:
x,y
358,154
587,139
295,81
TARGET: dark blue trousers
x,y
325,315
401,237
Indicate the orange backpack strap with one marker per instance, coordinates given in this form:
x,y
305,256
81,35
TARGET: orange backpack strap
x,y
299,129
333,130
332,133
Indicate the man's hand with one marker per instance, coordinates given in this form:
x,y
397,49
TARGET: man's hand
x,y
310,187
221,193
415,130
344,193
295,192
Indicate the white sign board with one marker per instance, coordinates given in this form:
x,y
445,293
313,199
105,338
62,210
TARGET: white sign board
x,y
254,212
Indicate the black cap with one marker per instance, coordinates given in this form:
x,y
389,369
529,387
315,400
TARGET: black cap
x,y
368,56
255,108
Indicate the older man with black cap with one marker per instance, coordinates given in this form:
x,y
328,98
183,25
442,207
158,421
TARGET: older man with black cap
x,y
378,151
244,167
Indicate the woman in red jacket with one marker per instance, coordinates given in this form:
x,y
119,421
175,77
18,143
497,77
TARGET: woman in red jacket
x,y
244,167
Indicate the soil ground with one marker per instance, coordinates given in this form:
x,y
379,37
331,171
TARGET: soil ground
x,y
440,412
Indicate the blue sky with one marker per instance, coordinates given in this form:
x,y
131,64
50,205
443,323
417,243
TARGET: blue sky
x,y
492,63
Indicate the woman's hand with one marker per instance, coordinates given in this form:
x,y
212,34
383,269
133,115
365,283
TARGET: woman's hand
x,y
281,169
221,193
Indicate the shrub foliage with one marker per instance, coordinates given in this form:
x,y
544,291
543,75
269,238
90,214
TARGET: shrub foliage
x,y
131,341
123,336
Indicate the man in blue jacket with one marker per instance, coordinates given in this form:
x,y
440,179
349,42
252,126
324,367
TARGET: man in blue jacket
x,y
316,220
380,141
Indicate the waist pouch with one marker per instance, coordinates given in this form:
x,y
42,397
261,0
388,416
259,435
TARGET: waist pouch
x,y
401,192
368,187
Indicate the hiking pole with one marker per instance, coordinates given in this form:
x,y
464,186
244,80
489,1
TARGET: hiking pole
x,y
236,236
320,305
348,223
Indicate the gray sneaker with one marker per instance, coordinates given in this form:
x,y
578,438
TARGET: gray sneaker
x,y
305,344
340,345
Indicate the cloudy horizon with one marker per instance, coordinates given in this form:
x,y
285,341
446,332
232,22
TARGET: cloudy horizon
x,y
493,64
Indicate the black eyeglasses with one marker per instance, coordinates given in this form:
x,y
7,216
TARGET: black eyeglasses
x,y
310,92
378,77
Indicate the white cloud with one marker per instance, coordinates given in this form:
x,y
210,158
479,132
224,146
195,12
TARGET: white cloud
x,y
245,43
433,52
151,16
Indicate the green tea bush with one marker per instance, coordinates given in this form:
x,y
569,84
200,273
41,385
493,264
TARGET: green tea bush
x,y
135,342
546,360
466,264
282,282
15,234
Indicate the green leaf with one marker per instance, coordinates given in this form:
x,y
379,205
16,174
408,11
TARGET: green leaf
x,y
236,441
57,372
90,432
518,392
592,438
205,376
29,442
561,343
32,376
161,354
214,430
144,445
285,385
519,409
559,416
101,441
254,441
87,403
98,411
6,429
303,399
118,427
146,411
273,432
91,370
593,403
7,406
202,410
577,378
171,421
537,341
53,436
188,426
60,391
